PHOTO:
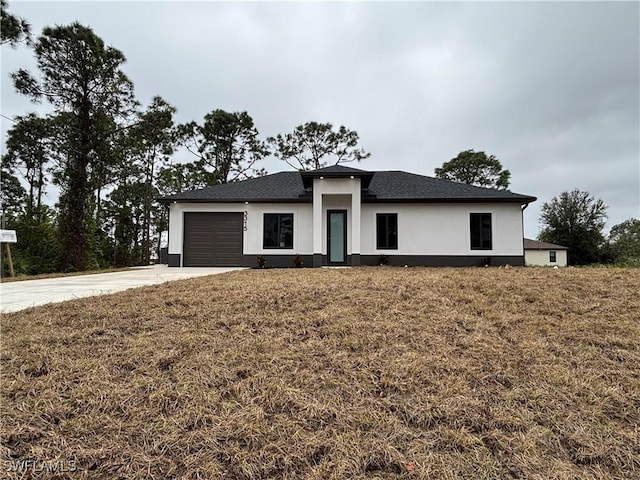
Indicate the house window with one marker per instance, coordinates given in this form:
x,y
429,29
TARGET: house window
x,y
387,231
552,257
481,231
278,230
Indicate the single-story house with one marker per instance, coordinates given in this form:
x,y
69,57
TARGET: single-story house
x,y
345,216
543,254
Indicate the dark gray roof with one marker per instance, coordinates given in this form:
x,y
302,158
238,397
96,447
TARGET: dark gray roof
x,y
385,186
337,169
403,186
538,245
279,187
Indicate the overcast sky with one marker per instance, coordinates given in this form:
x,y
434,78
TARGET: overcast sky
x,y
551,89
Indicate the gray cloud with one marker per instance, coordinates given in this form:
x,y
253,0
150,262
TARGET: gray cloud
x,y
551,88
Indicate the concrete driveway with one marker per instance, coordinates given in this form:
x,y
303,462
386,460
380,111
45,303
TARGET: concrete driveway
x,y
23,294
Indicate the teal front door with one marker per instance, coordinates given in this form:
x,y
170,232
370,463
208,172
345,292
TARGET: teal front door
x,y
336,237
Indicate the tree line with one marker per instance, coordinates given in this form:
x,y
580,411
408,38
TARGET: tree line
x,y
110,158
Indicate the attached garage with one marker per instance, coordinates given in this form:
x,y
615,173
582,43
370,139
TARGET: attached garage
x,y
212,239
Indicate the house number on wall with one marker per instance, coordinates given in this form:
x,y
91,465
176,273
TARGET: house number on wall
x,y
244,221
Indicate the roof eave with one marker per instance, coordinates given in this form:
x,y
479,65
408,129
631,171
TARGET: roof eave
x,y
364,176
309,199
519,201
227,200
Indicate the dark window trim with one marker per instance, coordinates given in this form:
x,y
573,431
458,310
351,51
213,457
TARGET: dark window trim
x,y
279,215
482,240
553,256
378,216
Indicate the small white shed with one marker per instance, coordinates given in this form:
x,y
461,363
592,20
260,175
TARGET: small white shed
x,y
543,254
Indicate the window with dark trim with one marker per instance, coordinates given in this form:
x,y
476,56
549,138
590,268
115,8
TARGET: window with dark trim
x,y
481,237
278,230
387,231
552,257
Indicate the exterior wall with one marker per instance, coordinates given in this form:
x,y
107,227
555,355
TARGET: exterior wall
x,y
336,194
428,234
540,258
443,229
253,236
302,229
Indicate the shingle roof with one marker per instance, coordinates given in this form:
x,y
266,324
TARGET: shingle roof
x,y
337,169
537,245
385,186
403,186
283,186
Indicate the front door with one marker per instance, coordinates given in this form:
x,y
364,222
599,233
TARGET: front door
x,y
336,237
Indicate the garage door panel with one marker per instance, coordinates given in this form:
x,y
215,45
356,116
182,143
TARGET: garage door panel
x,y
212,239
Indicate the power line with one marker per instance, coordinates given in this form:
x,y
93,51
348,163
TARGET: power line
x,y
8,118
108,134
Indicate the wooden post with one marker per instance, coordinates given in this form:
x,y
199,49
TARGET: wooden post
x,y
7,249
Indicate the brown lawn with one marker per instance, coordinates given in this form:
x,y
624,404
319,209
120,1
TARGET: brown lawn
x,y
373,372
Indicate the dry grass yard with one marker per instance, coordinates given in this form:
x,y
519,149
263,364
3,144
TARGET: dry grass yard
x,y
331,374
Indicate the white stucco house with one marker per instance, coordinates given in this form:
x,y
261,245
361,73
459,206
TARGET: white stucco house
x,y
543,254
345,216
